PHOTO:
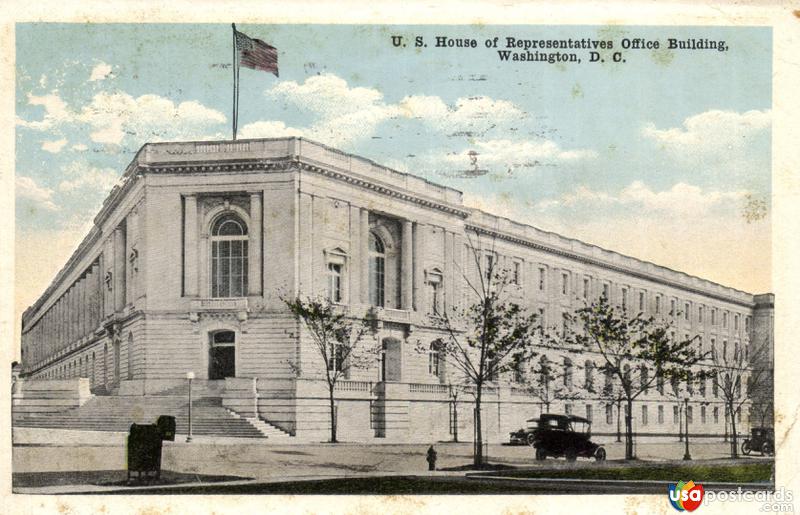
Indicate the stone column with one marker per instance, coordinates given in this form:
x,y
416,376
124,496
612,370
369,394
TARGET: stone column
x,y
447,287
98,293
119,268
71,315
364,245
458,271
406,267
254,246
357,247
420,231
190,246
81,307
202,267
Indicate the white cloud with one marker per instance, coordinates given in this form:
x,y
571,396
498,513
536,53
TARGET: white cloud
x,y
686,199
268,129
469,116
343,114
113,117
55,112
88,179
712,131
516,154
684,227
54,146
101,71
26,188
80,147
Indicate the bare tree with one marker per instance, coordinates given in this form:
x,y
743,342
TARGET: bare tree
x,y
340,340
491,335
634,350
737,377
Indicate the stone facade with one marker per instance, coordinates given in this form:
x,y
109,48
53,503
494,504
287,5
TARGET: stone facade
x,y
187,261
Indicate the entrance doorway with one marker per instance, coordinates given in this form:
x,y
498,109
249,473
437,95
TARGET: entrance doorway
x,y
222,355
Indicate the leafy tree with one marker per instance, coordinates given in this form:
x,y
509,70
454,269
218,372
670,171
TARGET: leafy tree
x,y
491,335
634,351
550,382
342,342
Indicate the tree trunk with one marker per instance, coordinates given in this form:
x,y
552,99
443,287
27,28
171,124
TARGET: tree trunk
x,y
734,450
629,430
619,416
477,460
333,413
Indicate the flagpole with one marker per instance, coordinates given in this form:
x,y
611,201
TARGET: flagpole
x,y
235,84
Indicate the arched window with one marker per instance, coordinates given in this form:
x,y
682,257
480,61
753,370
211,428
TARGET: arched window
x,y
377,265
229,257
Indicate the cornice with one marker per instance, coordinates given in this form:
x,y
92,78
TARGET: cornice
x,y
603,264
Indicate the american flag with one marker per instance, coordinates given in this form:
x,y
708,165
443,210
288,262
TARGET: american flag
x,y
255,54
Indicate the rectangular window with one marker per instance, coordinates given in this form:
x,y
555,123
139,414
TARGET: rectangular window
x,y
334,282
585,287
716,415
713,316
686,311
702,414
542,321
435,292
517,273
644,415
672,307
675,415
641,301
624,298
689,418
589,412
725,319
606,291
700,314
661,414
658,304
735,322
542,274
609,414
564,283
747,324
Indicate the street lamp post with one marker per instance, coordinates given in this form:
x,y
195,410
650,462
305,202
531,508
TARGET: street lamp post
x,y
190,376
686,455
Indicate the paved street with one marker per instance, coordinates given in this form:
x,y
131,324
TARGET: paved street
x,y
304,461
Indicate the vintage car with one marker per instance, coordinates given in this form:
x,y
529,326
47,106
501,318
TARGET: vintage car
x,y
524,436
564,435
762,439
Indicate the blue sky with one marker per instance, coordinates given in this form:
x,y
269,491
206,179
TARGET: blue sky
x,y
658,157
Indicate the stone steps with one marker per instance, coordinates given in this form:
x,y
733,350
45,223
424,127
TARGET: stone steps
x,y
106,413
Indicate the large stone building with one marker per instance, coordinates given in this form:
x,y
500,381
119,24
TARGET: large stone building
x,y
188,258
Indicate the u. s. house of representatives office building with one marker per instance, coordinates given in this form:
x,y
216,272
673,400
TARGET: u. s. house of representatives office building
x,y
187,259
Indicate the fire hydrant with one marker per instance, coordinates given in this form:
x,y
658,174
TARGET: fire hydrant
x,y
431,458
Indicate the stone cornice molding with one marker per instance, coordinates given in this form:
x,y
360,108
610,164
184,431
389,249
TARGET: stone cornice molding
x,y
603,264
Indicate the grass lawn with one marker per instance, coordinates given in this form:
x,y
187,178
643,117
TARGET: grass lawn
x,y
734,473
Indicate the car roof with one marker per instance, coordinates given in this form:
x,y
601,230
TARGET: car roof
x,y
573,418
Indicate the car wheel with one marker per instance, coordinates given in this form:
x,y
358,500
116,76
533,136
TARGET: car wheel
x,y
541,455
746,448
530,439
571,454
600,454
767,448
